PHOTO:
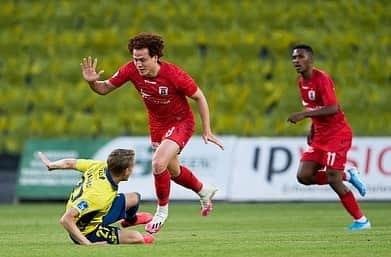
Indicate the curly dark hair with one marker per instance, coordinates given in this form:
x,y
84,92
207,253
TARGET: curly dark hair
x,y
153,42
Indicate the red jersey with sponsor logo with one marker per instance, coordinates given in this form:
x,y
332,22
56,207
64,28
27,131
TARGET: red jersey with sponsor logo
x,y
164,95
317,92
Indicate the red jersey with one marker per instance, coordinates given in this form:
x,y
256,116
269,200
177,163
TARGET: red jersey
x,y
319,91
164,95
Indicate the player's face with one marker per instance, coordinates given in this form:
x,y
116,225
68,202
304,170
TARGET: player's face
x,y
302,60
128,172
146,65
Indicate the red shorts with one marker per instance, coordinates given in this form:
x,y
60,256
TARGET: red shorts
x,y
332,154
179,132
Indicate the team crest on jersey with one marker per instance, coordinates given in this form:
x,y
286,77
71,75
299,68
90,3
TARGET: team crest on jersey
x,y
311,95
163,90
82,205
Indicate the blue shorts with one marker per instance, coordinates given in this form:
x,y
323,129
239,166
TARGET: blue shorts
x,y
117,211
105,232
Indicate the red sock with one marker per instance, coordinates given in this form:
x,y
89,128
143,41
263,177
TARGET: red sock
x,y
162,187
187,179
320,177
351,205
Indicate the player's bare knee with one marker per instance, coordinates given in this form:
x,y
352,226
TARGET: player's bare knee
x,y
158,165
132,199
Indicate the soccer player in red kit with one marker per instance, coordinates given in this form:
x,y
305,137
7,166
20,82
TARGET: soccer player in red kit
x,y
164,88
330,138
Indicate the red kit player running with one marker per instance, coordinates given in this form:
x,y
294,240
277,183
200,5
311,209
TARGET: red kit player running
x,y
164,88
330,138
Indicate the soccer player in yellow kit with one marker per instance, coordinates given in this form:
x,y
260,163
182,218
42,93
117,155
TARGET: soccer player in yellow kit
x,y
95,204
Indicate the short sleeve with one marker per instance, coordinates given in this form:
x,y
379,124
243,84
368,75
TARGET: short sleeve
x,y
327,89
185,84
121,76
83,165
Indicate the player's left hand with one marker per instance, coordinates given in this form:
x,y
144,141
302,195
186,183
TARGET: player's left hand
x,y
209,137
295,117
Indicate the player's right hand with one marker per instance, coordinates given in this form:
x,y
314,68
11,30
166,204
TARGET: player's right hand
x,y
88,69
296,117
45,160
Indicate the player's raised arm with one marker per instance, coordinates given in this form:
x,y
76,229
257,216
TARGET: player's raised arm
x,y
203,109
88,70
59,164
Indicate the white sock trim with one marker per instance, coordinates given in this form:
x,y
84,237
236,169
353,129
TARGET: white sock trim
x,y
162,209
362,219
202,191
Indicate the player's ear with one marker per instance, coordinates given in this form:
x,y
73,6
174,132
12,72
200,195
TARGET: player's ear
x,y
311,57
129,170
155,59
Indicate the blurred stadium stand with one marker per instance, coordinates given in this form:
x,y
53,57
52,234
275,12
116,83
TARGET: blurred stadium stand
x,y
237,51
8,164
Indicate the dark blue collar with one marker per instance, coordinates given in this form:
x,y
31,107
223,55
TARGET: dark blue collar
x,y
108,175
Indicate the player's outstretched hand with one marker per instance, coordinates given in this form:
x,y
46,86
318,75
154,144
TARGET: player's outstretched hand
x,y
209,137
295,117
88,69
45,160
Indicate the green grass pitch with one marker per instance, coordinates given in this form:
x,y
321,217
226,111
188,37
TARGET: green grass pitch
x,y
232,229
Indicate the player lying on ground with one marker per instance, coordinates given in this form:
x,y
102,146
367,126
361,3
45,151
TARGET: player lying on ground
x,y
95,203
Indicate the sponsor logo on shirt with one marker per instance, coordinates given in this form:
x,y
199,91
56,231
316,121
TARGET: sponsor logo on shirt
x,y
149,82
163,90
154,99
143,94
82,205
311,95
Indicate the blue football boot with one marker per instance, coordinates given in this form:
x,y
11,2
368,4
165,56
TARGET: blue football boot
x,y
356,181
356,225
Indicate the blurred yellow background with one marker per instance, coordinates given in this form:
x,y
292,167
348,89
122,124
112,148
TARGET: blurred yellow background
x,y
237,51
